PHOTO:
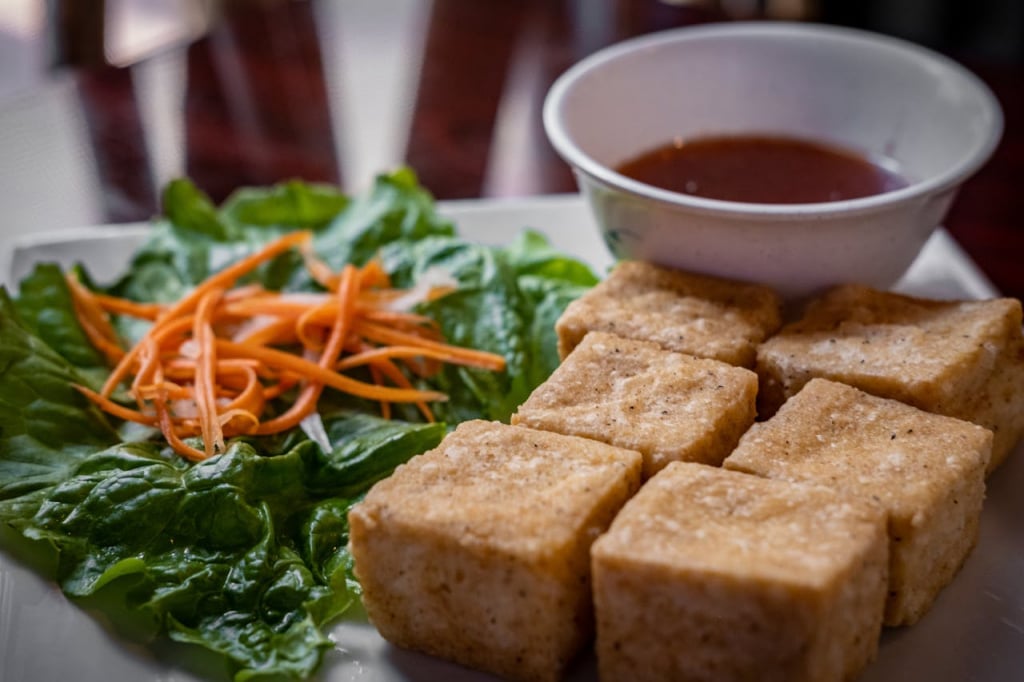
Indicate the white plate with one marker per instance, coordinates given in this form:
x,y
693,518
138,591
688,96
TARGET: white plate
x,y
974,632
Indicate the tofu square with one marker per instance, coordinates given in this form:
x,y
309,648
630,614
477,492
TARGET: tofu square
x,y
479,551
688,313
709,574
927,471
636,395
962,359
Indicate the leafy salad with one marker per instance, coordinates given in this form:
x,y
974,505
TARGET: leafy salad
x,y
244,552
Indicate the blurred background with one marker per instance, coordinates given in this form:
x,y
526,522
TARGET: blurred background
x,y
103,101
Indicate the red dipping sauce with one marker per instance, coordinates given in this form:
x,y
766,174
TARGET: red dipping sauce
x,y
761,170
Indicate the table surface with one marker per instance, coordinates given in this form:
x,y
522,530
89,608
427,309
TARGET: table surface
x,y
101,103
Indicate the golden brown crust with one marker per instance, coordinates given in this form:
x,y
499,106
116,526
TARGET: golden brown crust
x,y
958,358
925,470
478,551
633,394
712,574
695,314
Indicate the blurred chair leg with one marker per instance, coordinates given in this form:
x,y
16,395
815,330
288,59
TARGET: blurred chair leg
x,y
78,32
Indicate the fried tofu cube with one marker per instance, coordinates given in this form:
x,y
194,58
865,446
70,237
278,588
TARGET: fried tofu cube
x,y
688,313
636,395
963,359
709,574
478,551
927,471
999,404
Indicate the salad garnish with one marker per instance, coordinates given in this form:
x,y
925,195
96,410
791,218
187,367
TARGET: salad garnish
x,y
245,553
209,363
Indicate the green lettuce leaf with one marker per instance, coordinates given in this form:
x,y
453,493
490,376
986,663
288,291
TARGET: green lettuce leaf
x,y
507,302
46,426
243,554
45,308
395,210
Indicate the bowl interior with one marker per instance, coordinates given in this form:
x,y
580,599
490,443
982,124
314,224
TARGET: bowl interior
x,y
884,98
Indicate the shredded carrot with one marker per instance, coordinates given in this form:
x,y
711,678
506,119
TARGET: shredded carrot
x,y
110,349
94,320
306,404
370,357
212,362
220,280
205,380
467,356
173,437
116,409
229,275
318,269
280,388
123,306
390,370
400,318
378,378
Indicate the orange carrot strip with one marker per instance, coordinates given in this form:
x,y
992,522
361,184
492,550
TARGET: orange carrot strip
x,y
318,269
241,415
224,365
148,364
279,331
247,292
372,274
380,297
167,426
390,352
285,384
179,446
348,289
421,324
84,298
110,350
94,321
307,339
168,389
378,378
172,331
467,356
226,277
177,391
221,280
303,406
281,305
391,371
250,397
230,418
126,365
205,374
118,410
124,306
122,412
323,314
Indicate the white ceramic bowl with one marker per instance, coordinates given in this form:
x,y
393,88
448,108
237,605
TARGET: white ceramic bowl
x,y
876,95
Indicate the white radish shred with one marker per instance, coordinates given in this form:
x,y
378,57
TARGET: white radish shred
x,y
185,408
432,278
313,426
189,349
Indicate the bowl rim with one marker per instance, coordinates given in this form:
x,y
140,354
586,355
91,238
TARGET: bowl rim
x,y
561,139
